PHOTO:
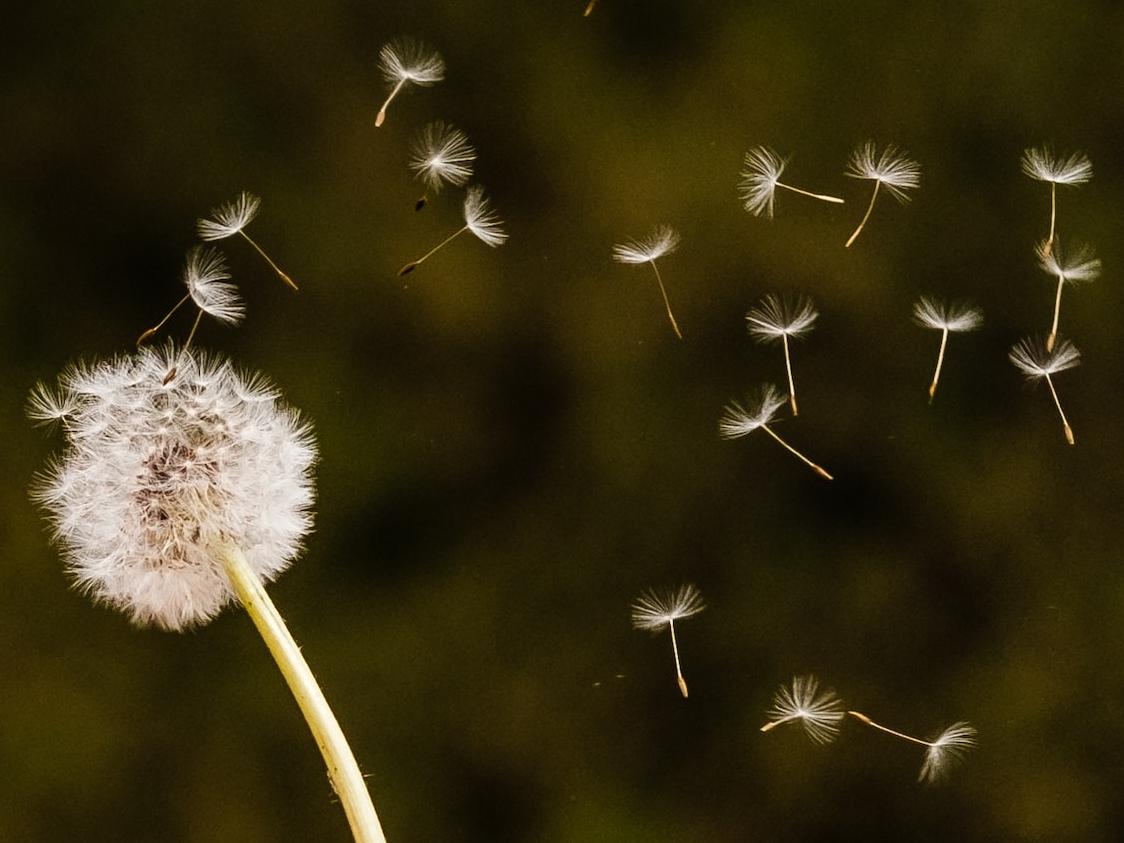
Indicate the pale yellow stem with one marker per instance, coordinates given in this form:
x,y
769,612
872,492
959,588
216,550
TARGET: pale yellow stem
x,y
820,196
940,362
666,303
866,216
343,772
678,669
412,265
589,8
381,116
1052,338
862,717
1049,247
141,339
788,368
284,277
1065,423
772,724
817,468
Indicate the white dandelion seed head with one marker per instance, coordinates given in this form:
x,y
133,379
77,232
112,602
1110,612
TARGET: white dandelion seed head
x,y
894,170
663,240
758,187
440,155
820,713
776,317
205,275
406,59
1082,264
156,479
760,408
931,312
1031,358
229,218
1042,164
946,751
654,610
481,218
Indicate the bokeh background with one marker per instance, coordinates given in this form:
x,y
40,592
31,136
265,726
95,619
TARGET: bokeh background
x,y
514,444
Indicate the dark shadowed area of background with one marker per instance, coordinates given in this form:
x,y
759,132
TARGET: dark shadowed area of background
x,y
514,444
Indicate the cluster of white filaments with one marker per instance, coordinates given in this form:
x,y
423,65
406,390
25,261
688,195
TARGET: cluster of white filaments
x,y
159,478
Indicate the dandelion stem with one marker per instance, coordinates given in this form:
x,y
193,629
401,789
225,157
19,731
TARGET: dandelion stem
x,y
143,337
343,772
1049,247
381,116
284,277
194,328
866,216
940,362
788,368
820,196
1058,404
666,303
1052,338
772,724
859,716
412,265
818,469
678,669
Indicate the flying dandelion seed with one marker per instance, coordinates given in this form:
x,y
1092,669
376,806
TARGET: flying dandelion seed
x,y
1082,265
778,319
653,611
760,179
172,501
403,61
941,754
205,275
1040,164
479,218
758,412
232,218
819,713
1035,361
440,155
945,317
662,241
892,169
589,8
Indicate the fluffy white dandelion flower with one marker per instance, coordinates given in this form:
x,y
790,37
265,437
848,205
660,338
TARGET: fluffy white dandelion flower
x,y
947,750
479,218
440,155
232,218
655,610
1081,265
157,478
405,60
761,176
174,498
1036,361
820,713
892,169
1041,164
946,317
663,240
758,412
941,753
776,318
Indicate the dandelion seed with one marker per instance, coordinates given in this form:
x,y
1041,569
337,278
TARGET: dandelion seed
x,y
1083,265
929,312
171,501
662,241
440,155
778,319
406,60
819,713
479,218
1035,361
761,178
892,169
758,412
653,611
941,753
205,275
1040,164
232,218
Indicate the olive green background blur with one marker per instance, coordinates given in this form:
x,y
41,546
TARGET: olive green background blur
x,y
514,444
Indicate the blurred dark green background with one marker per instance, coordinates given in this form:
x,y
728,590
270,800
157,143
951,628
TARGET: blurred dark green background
x,y
515,445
